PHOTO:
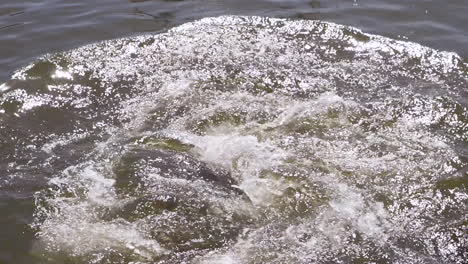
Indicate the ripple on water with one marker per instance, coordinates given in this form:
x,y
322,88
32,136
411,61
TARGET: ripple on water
x,y
246,140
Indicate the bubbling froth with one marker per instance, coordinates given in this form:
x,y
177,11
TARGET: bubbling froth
x,y
249,140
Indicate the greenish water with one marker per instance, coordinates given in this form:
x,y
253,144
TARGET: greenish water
x,y
236,140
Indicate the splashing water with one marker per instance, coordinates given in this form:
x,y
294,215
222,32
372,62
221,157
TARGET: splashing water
x,y
244,140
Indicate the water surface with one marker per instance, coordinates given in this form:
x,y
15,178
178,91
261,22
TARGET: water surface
x,y
30,28
234,139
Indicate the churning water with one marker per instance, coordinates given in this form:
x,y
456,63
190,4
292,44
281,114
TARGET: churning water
x,y
242,140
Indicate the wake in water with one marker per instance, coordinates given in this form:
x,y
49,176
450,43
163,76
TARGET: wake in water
x,y
244,140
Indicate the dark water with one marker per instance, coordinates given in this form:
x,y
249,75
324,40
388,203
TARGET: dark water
x,y
236,139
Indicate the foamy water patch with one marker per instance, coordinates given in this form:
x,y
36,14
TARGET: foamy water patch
x,y
73,223
256,140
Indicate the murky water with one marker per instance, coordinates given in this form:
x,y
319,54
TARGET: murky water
x,y
237,140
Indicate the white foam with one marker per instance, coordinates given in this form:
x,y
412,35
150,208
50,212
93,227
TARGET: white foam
x,y
245,157
310,131
75,227
60,74
4,87
370,220
80,236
